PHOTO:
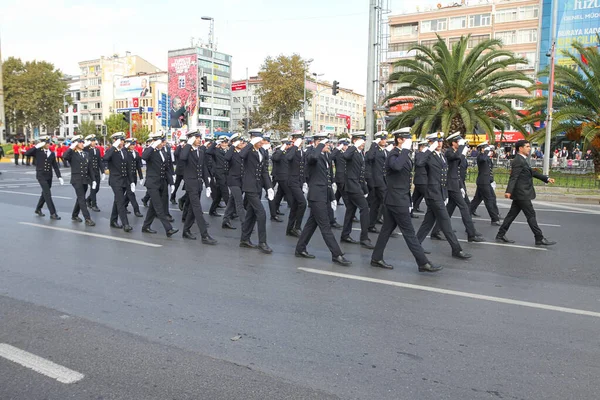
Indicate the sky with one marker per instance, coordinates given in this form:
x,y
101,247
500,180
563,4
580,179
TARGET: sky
x,y
331,32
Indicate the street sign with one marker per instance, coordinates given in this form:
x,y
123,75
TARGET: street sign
x,y
239,85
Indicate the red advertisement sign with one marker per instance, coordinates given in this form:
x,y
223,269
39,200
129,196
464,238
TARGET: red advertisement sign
x,y
510,137
239,85
183,89
398,108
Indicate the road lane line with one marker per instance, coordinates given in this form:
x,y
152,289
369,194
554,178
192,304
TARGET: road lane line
x,y
514,222
118,239
39,364
35,194
456,293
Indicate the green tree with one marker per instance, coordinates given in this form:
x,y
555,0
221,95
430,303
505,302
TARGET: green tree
x,y
87,128
116,123
455,90
576,99
281,92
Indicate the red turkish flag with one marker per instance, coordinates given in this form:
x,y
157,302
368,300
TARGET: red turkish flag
x,y
348,122
136,102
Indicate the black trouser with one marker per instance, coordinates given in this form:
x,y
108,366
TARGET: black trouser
x,y
178,180
516,207
255,213
318,217
80,204
16,158
283,190
130,198
220,192
436,211
235,205
393,217
158,197
28,160
340,193
46,196
455,199
119,210
486,193
93,192
186,205
418,195
376,195
195,213
354,201
297,208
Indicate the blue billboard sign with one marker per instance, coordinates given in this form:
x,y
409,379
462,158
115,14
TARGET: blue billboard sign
x,y
578,20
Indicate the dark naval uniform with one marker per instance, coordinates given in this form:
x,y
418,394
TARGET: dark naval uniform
x,y
118,179
134,169
81,172
179,165
45,162
219,187
195,174
485,192
296,178
420,182
235,171
97,171
158,177
356,191
280,175
376,157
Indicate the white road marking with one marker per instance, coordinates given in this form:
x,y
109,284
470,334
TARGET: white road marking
x,y
118,239
514,222
35,194
39,364
456,293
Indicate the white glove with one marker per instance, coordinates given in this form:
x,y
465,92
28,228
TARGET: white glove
x,y
116,143
40,145
334,187
359,143
219,142
389,147
132,187
340,147
266,146
172,188
462,191
270,194
433,146
282,147
334,205
465,151
62,181
72,146
191,140
209,180
305,188
407,144
255,140
410,210
446,202
366,194
461,142
155,144
493,185
424,149
94,185
324,141
142,182
208,191
487,148
86,143
103,176
275,187
174,178
298,142
236,143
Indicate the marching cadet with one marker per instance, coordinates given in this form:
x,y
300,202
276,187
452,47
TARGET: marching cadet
x,y
436,197
158,178
375,158
296,184
340,170
356,191
254,180
45,162
118,179
178,167
194,174
420,179
97,170
456,189
81,177
235,171
134,169
485,184
170,159
320,199
398,204
146,197
217,152
280,174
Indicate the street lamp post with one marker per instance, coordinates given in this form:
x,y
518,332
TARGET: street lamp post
x,y
212,71
306,65
546,164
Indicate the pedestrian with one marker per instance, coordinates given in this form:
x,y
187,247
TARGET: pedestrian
x,y
376,157
81,177
340,170
134,170
521,191
398,204
45,162
235,205
97,165
420,178
16,152
22,150
118,179
297,185
486,184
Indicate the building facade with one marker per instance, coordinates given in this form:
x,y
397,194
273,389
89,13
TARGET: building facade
x,y
244,98
71,116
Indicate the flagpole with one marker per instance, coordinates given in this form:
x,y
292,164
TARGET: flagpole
x,y
546,164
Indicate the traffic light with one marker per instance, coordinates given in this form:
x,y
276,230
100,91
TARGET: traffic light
x,y
103,130
334,88
307,126
204,83
125,116
141,110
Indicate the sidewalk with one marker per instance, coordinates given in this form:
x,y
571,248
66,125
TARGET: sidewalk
x,y
552,194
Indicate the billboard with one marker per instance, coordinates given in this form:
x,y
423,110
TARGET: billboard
x,y
238,85
183,91
577,20
134,87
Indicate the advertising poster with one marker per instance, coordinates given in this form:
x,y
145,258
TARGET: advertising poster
x,y
577,20
183,91
134,87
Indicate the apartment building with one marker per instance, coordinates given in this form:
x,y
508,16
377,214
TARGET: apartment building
x,y
342,113
244,98
71,116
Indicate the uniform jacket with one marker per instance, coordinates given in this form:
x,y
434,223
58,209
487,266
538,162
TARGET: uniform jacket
x,y
116,162
485,174
280,166
97,162
340,165
376,157
437,174
320,171
369,164
398,171
355,171
134,166
219,163
44,164
420,172
454,169
158,169
520,183
81,166
256,173
179,164
235,167
195,169
295,159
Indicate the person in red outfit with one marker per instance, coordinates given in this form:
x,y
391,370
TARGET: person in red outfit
x,y
16,153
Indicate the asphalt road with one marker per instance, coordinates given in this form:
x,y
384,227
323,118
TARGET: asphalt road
x,y
159,318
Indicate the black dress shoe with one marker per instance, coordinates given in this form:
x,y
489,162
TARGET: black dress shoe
x,y
436,236
381,264
544,242
348,239
40,213
209,240
373,230
279,213
128,212
173,201
335,225
341,261
461,255
354,219
430,268
426,251
148,230
89,222
88,202
304,254
475,215
418,210
116,225
127,228
234,216
413,216
367,244
293,232
138,214
504,239
380,221
170,218
95,209
215,214
247,244
495,223
180,203
171,232
476,239
75,218
227,225
276,218
145,203
188,235
265,248
395,235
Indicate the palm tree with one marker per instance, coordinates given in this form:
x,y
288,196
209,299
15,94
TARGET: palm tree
x,y
459,89
576,99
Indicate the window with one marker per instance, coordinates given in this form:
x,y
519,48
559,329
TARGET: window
x,y
429,43
476,39
434,25
506,15
457,23
66,120
67,131
77,96
401,46
97,105
531,59
85,106
529,12
527,36
84,94
479,20
452,41
404,30
75,119
507,37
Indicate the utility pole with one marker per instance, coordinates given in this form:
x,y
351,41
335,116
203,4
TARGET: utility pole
x,y
247,124
546,164
2,116
371,69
